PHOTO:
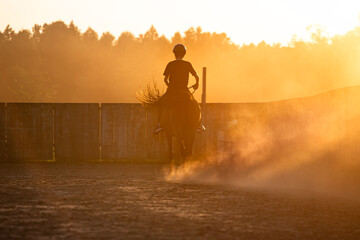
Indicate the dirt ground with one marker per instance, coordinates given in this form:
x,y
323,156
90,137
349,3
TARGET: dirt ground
x,y
134,201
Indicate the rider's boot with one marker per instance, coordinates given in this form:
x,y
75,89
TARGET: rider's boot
x,y
200,128
157,129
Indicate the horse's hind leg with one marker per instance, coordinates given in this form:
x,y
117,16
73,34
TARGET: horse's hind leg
x,y
182,148
170,147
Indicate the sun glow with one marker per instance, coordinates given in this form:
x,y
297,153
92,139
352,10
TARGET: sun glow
x,y
243,21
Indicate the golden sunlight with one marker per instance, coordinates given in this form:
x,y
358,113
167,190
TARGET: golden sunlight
x,y
192,119
244,21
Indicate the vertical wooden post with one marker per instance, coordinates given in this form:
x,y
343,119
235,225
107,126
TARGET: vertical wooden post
x,y
203,97
203,108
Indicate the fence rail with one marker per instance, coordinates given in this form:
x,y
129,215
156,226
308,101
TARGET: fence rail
x,y
81,131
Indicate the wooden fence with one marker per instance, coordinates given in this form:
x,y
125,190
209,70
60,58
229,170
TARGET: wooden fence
x,y
2,130
90,131
29,130
76,131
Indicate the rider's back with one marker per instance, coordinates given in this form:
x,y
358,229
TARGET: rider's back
x,y
178,72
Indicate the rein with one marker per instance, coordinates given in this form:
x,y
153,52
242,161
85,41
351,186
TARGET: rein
x,y
193,90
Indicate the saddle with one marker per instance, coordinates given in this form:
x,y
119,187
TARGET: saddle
x,y
176,98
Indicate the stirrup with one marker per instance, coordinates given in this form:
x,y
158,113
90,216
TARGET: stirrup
x,y
200,129
157,130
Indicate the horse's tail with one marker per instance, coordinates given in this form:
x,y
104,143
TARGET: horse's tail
x,y
150,95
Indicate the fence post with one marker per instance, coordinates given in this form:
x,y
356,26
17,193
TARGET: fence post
x,y
203,96
203,105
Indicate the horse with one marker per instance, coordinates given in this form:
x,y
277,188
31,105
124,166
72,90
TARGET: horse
x,y
180,118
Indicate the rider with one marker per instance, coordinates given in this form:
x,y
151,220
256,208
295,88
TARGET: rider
x,y
177,78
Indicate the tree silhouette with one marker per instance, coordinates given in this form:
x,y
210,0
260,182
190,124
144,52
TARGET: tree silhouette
x,y
57,62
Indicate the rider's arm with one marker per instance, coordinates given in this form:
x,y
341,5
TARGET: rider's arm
x,y
196,78
166,80
192,71
196,85
167,73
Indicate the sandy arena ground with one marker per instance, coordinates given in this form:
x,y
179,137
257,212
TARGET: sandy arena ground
x,y
133,201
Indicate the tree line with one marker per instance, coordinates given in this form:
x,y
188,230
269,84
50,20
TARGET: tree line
x,y
57,62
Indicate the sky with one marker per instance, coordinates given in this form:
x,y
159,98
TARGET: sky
x,y
244,21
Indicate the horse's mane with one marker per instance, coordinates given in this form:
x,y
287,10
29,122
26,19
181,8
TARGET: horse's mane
x,y
150,95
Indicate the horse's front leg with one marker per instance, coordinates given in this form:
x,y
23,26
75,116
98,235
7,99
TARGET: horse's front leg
x,y
189,142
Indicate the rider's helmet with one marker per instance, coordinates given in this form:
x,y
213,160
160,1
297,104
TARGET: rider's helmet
x,y
179,50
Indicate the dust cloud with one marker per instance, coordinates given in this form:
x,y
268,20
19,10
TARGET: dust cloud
x,y
308,143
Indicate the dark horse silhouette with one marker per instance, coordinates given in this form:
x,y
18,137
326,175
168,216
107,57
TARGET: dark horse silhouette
x,y
179,119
